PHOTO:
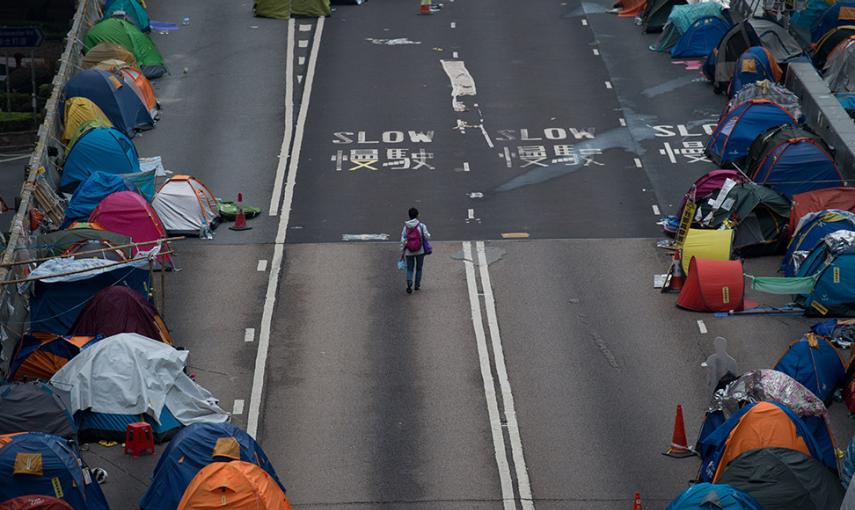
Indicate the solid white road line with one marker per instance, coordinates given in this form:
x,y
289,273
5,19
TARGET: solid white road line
x,y
262,265
279,246
487,378
249,335
504,383
273,210
238,408
702,327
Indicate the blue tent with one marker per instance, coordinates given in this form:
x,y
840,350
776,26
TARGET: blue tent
x,y
797,165
193,448
703,496
89,194
806,18
61,474
839,14
754,64
93,427
700,38
833,294
811,231
55,306
116,99
738,128
133,11
98,150
814,362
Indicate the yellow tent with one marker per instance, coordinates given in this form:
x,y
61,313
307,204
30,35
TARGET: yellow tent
x,y
79,110
83,129
108,51
706,245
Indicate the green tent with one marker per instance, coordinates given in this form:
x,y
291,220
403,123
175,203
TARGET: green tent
x,y
133,11
126,34
283,9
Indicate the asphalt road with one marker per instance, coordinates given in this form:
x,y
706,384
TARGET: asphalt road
x,y
541,363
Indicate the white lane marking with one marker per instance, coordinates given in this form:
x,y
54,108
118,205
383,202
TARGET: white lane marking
x,y
273,210
238,408
655,209
596,51
301,60
487,378
622,121
15,158
262,265
486,136
279,246
365,237
504,383
299,78
303,43
453,25
702,327
470,214
637,162
584,22
608,84
508,157
249,335
462,83
465,166
305,28
453,54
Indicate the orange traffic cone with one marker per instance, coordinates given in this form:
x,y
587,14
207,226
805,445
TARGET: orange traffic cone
x,y
425,7
676,278
240,218
636,502
679,446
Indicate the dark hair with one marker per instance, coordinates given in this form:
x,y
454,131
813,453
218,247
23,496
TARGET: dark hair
x,y
413,212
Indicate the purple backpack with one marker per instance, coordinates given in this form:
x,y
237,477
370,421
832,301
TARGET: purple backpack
x,y
414,239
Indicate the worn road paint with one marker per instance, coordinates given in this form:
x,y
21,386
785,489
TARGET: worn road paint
x,y
238,407
262,265
465,166
365,237
637,162
655,209
508,158
249,335
453,54
486,136
462,83
303,43
279,245
301,60
475,194
515,235
299,78
305,28
470,214
273,210
702,327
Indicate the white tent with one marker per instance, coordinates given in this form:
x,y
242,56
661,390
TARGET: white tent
x,y
186,206
132,374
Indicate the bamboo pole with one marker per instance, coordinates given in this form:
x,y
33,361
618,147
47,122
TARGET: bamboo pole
x,y
88,269
92,252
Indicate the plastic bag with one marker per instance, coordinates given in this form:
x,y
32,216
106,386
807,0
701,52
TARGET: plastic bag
x,y
402,264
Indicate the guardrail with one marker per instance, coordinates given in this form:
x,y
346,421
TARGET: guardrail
x,y
37,192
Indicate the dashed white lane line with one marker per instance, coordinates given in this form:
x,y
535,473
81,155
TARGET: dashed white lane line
x,y
279,245
299,78
453,24
622,122
249,335
273,210
702,327
596,51
584,22
454,54
305,28
238,408
303,43
608,84
301,60
655,209
465,166
637,162
470,214
262,265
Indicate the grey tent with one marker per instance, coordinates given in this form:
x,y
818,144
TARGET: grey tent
x,y
840,67
784,479
753,32
35,407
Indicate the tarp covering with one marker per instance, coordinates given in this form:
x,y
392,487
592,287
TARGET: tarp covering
x,y
811,230
766,384
116,99
713,497
784,479
823,48
192,449
127,35
280,9
131,374
237,485
765,89
707,245
117,310
713,286
61,472
310,8
708,183
186,206
34,407
840,67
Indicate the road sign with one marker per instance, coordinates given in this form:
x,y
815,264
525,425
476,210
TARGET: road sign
x,y
20,37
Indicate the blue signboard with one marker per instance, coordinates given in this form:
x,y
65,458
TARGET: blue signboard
x,y
20,37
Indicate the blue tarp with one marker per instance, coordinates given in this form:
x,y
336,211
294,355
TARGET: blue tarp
x,y
797,166
701,37
192,449
116,99
61,476
98,150
738,128
714,496
133,11
818,368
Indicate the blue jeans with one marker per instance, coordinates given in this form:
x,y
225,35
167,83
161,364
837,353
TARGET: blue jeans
x,y
418,261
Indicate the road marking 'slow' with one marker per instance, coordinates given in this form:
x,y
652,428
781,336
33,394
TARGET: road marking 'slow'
x,y
238,408
262,265
249,335
655,209
702,327
637,162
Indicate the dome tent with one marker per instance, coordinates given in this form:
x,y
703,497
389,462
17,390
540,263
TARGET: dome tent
x,y
128,213
738,128
35,407
79,110
238,485
186,206
127,35
115,310
713,496
116,99
101,150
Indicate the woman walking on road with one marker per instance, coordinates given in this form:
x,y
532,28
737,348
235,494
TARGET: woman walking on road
x,y
415,245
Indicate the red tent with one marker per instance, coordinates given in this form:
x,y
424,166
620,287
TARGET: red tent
x,y
713,286
35,502
820,200
128,213
119,309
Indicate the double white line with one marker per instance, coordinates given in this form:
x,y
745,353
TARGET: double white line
x,y
503,416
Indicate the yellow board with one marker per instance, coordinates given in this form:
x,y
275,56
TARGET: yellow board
x,y
707,245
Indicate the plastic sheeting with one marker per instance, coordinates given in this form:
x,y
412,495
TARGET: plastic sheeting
x,y
132,374
761,385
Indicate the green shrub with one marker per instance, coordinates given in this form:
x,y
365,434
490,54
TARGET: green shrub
x,y
15,121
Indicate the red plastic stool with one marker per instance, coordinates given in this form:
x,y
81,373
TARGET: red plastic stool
x,y
139,438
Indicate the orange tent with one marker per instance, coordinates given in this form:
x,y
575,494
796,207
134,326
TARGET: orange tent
x,y
142,87
764,426
820,200
235,485
713,286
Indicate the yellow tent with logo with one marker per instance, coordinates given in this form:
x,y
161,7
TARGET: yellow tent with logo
x,y
706,245
79,110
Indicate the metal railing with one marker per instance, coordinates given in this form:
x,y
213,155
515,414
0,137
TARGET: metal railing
x,y
37,192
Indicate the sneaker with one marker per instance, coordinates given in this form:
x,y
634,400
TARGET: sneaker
x,y
418,287
409,290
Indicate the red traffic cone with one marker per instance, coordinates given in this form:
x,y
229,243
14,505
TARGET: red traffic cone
x,y
425,7
675,278
240,218
636,502
679,446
